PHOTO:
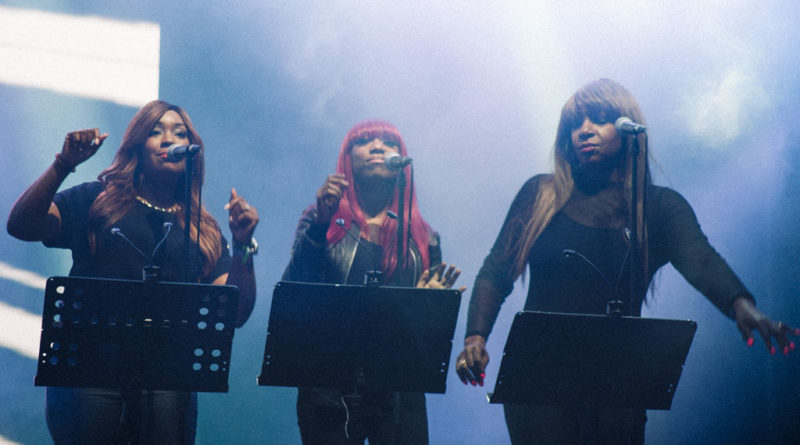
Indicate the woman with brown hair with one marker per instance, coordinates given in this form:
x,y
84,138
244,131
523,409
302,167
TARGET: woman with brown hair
x,y
139,196
586,207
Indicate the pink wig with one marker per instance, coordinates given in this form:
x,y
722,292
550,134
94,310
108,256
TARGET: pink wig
x,y
350,211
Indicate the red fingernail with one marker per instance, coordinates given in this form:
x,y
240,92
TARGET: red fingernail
x,y
791,346
483,375
772,350
785,350
750,341
481,383
473,382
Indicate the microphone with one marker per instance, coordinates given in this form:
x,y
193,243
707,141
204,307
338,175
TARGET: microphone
x,y
150,271
626,125
117,231
176,153
372,277
167,225
395,162
569,253
614,306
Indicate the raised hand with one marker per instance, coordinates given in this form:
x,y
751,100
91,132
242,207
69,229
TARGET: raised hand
x,y
81,145
328,197
242,218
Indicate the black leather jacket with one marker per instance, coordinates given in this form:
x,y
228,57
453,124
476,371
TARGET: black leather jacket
x,y
313,261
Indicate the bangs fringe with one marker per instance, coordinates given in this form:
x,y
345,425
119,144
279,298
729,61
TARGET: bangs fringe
x,y
374,129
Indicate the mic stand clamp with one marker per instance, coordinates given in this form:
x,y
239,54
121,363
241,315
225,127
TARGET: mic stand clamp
x,y
372,278
151,272
614,308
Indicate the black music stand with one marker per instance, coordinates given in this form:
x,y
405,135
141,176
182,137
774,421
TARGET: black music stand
x,y
333,336
145,335
572,359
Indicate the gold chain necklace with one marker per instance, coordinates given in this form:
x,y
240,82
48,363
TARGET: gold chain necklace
x,y
171,209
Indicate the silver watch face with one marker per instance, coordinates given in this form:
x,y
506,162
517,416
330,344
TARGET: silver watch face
x,y
249,249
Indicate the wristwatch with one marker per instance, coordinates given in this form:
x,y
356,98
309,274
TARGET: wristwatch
x,y
247,249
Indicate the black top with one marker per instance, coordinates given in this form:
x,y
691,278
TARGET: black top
x,y
115,257
592,225
368,257
313,260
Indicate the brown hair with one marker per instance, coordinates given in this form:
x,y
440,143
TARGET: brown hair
x,y
606,100
122,178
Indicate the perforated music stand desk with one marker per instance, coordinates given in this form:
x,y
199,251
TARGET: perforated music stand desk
x,y
569,359
143,334
324,335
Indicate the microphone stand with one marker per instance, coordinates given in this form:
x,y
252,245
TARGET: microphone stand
x,y
636,278
131,393
187,214
401,198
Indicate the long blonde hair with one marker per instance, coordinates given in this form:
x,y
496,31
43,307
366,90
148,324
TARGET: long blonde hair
x,y
601,98
122,178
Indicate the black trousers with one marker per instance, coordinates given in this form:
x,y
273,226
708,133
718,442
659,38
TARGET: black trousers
x,y
324,423
574,425
98,416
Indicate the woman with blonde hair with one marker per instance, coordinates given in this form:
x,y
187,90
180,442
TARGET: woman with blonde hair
x,y
586,206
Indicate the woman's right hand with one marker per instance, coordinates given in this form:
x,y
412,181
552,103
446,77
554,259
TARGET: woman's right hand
x,y
34,217
328,197
81,145
471,363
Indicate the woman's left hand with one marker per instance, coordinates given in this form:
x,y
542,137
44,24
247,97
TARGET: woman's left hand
x,y
442,278
749,318
242,218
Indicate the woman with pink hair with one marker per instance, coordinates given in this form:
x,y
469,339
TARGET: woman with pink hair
x,y
352,229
